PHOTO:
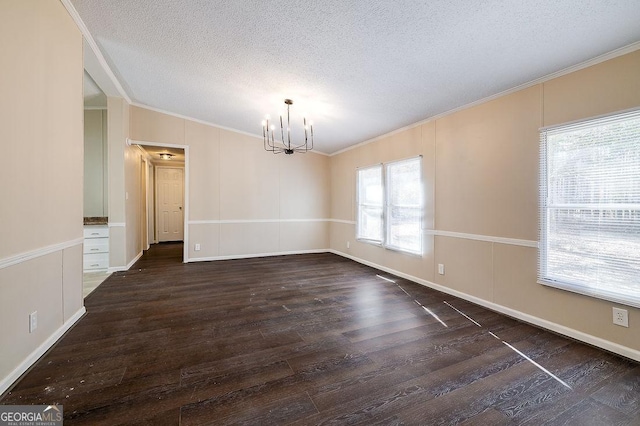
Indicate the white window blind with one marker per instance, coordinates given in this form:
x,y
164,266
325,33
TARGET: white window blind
x,y
389,203
590,208
370,204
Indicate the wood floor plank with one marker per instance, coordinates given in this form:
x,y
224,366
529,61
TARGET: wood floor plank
x,y
583,368
313,339
489,416
589,412
623,394
469,401
253,412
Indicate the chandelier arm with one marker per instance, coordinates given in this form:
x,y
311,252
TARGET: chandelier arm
x,y
269,141
272,142
273,148
281,130
267,144
305,144
288,127
299,148
265,134
264,139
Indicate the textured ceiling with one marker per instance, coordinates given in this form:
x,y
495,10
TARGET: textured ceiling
x,y
358,68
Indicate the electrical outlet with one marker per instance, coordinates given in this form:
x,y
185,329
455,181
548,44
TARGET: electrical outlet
x,y
621,317
197,247
33,321
348,244
441,268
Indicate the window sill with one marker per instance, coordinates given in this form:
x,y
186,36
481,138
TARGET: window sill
x,y
394,249
598,294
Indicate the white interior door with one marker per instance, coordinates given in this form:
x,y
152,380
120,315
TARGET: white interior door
x,y
170,196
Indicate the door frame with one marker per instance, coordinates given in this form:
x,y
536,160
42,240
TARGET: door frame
x,y
144,205
150,205
185,254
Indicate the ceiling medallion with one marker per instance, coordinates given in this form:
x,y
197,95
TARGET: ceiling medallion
x,y
279,146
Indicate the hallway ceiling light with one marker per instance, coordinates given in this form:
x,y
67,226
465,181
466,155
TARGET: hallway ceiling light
x,y
277,147
166,156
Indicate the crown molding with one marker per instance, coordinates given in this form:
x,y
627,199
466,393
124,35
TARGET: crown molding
x,y
586,64
94,47
206,123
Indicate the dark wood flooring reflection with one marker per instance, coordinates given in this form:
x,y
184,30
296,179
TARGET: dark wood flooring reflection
x,y
314,339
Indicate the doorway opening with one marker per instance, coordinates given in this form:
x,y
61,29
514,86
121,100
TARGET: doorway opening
x,y
95,254
164,181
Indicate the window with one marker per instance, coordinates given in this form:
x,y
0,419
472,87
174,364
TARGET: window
x,y
370,204
590,208
390,205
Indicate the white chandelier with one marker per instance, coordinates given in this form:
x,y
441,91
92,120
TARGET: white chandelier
x,y
277,147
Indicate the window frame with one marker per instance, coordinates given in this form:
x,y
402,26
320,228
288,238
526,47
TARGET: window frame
x,y
544,277
359,204
386,206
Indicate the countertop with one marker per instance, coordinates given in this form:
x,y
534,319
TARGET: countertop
x,y
96,220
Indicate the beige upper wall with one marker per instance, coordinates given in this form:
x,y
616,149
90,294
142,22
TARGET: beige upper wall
x,y
117,133
152,126
134,195
487,167
601,89
41,106
205,140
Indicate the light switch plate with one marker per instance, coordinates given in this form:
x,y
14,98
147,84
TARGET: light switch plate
x,y
33,321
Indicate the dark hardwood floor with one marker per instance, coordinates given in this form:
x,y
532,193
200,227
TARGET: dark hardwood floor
x,y
314,339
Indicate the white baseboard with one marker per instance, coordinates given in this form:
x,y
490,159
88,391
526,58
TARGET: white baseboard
x,y
540,322
249,256
129,265
34,356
